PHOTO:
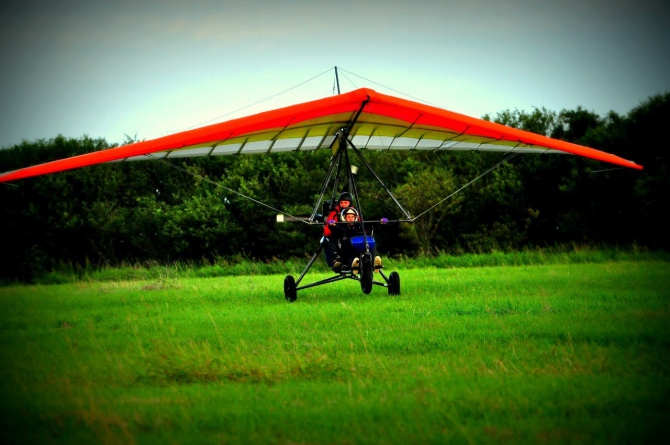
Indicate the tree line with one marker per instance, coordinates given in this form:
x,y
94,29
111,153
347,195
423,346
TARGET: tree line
x,y
135,212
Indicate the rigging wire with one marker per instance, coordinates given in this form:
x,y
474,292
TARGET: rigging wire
x,y
607,170
347,77
466,185
389,88
382,144
263,100
218,184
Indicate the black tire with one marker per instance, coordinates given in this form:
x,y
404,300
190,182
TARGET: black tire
x,y
366,275
394,283
290,293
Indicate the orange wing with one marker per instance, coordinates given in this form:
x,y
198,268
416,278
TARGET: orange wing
x,y
386,123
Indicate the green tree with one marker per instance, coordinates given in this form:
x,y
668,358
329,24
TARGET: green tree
x,y
423,190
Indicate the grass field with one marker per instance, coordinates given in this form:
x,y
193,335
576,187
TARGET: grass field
x,y
558,353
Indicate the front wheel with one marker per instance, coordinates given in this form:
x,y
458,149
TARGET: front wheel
x,y
394,283
290,292
366,276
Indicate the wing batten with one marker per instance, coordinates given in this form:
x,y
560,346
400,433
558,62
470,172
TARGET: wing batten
x,y
302,141
239,150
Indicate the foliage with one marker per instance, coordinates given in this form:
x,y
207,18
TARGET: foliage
x,y
138,212
427,186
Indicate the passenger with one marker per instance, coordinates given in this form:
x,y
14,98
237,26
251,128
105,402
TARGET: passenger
x,y
344,233
330,231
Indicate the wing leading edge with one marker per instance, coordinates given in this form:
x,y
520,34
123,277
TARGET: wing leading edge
x,y
386,123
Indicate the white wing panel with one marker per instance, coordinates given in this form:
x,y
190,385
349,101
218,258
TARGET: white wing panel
x,y
404,143
228,149
288,144
190,153
256,147
429,144
379,142
157,155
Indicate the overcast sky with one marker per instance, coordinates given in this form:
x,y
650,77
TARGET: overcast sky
x,y
150,68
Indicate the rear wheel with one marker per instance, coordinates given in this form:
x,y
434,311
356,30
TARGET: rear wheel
x,y
290,292
366,275
394,283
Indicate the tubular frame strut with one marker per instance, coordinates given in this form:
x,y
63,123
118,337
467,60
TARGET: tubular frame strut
x,y
339,161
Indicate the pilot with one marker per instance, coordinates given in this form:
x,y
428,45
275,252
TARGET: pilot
x,y
330,231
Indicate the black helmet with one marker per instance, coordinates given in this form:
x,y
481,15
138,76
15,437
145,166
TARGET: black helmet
x,y
345,196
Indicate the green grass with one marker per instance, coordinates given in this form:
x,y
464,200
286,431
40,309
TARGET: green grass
x,y
62,273
555,353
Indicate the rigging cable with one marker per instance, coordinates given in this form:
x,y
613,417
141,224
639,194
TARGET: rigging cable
x,y
263,100
425,101
347,77
218,184
182,169
606,170
466,185
389,88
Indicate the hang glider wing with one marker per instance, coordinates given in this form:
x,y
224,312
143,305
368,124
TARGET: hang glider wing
x,y
385,123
